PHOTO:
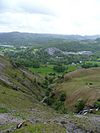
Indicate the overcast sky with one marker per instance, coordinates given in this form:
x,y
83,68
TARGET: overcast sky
x,y
50,16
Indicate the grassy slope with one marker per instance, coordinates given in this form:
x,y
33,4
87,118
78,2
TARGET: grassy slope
x,y
19,88
22,104
9,82
41,128
76,85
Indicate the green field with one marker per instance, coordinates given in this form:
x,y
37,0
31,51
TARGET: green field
x,y
44,70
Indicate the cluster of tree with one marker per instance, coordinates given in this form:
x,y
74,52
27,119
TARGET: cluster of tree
x,y
59,68
89,65
57,101
30,58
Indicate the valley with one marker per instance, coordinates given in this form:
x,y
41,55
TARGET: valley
x,y
49,83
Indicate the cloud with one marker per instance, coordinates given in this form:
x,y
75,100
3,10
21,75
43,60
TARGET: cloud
x,y
2,5
28,6
35,7
50,16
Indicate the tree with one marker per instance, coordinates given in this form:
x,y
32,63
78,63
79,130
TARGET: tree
x,y
36,65
59,68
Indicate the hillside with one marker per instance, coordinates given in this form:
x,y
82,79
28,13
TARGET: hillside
x,y
20,97
83,84
19,80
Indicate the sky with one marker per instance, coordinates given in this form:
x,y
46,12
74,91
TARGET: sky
x,y
50,16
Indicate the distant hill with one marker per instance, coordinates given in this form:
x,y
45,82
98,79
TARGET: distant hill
x,y
17,38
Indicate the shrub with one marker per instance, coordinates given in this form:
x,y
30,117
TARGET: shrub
x,y
3,110
97,104
79,105
59,106
62,96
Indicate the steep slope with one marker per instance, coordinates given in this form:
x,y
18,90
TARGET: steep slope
x,y
18,82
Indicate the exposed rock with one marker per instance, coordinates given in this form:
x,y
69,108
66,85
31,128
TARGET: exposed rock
x,y
23,124
7,118
53,50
